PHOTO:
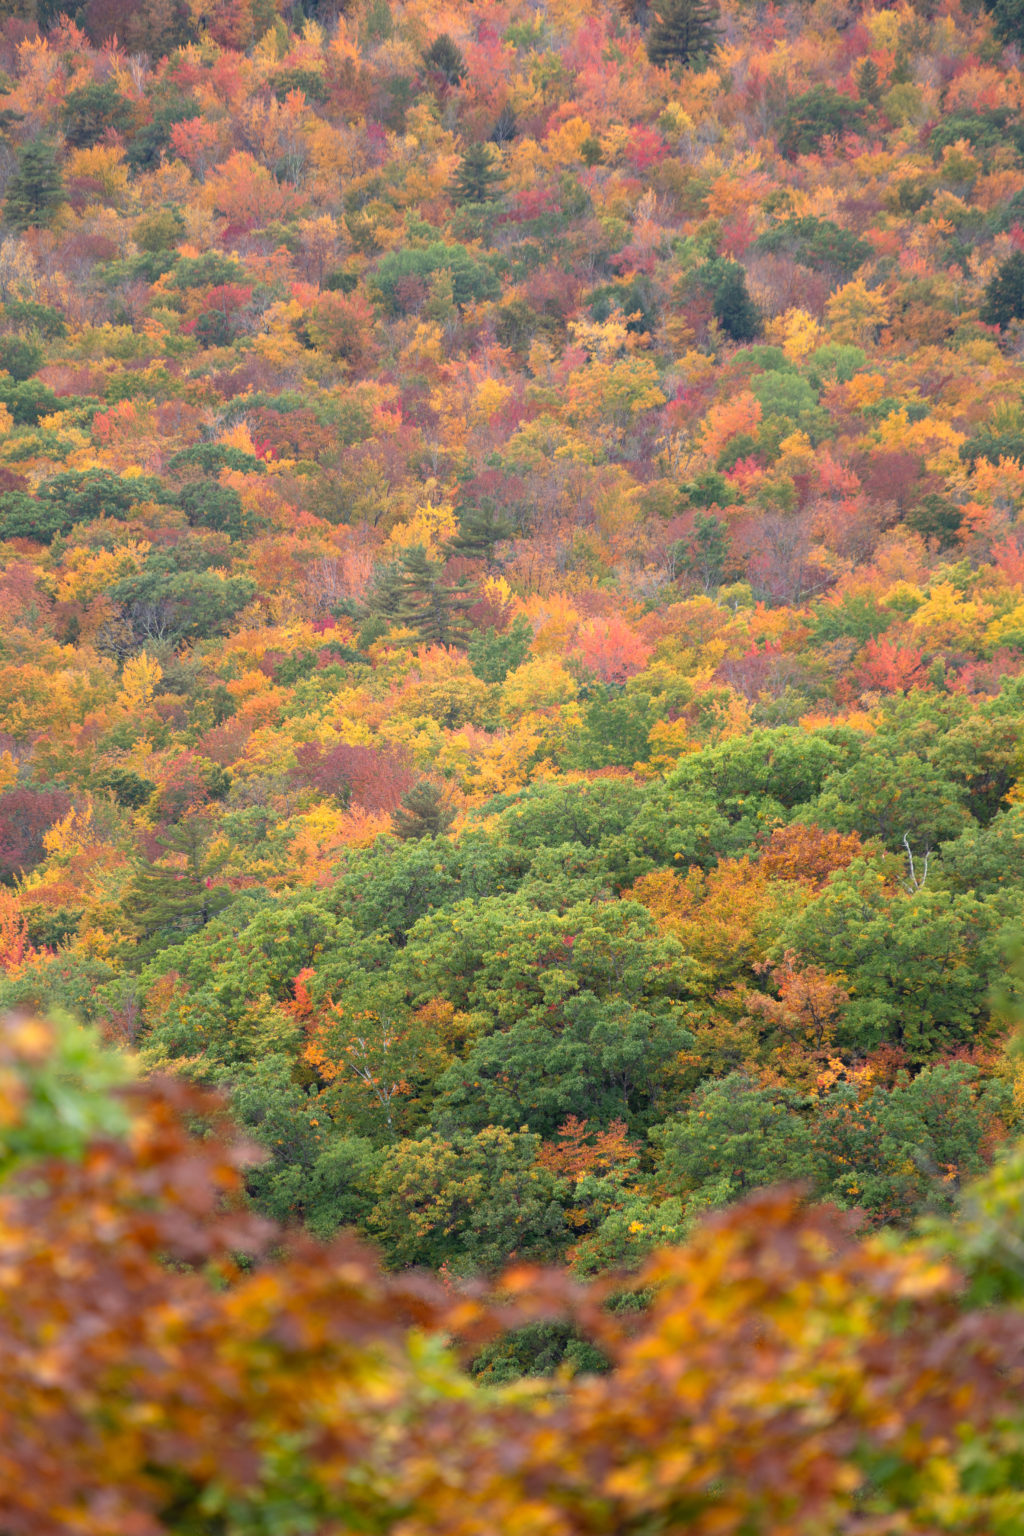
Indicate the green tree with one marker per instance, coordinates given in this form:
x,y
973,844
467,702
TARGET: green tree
x,y
20,357
35,193
312,1174
684,32
919,962
65,983
424,812
703,556
734,1138
238,971
494,653
813,115
1007,20
148,143
579,1007
127,787
897,1152
164,604
1003,299
83,495
985,861
869,86
599,816
614,732
782,767
208,504
893,795
176,893
29,400
389,894
382,600
429,604
481,527
444,59
732,305
724,798
538,1349
23,517
472,280
77,496
42,319
479,175
208,459
820,244
87,113
470,1202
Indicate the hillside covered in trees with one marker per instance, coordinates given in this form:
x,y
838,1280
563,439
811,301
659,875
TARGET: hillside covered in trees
x,y
512,658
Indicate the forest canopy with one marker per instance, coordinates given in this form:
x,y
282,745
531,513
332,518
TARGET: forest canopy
x,y
511,718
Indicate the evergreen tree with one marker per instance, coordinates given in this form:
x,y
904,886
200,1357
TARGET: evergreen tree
x,y
49,12
869,87
384,591
822,112
480,529
734,309
684,32
428,604
168,899
381,603
155,27
444,58
20,357
704,557
424,812
88,113
35,192
478,177
1003,300
901,72
1007,20
638,12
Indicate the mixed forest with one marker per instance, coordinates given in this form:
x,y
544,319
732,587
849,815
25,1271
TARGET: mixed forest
x,y
512,691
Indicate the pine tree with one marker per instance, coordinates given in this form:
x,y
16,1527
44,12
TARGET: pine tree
x,y
684,31
35,192
1003,300
444,58
478,177
1008,20
703,558
424,812
869,86
430,605
901,72
48,12
734,309
382,602
171,899
481,527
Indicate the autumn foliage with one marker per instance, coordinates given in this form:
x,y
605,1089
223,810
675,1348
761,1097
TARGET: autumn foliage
x,y
511,701
784,1375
